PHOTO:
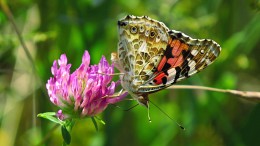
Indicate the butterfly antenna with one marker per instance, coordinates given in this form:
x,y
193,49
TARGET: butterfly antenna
x,y
168,116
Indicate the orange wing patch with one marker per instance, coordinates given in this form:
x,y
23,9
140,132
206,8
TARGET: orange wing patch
x,y
173,57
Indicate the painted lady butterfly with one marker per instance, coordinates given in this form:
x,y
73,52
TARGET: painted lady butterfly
x,y
152,57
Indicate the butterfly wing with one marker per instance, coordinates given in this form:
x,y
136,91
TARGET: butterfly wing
x,y
142,43
183,57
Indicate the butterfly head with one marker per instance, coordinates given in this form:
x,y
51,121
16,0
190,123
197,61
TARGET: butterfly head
x,y
141,98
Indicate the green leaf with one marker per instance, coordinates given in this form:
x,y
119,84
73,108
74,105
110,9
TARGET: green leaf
x,y
101,121
94,122
66,135
47,113
69,123
50,116
64,144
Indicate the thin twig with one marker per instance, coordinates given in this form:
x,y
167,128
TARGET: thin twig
x,y
249,95
9,15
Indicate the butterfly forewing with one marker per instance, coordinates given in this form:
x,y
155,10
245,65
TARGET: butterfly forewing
x,y
183,58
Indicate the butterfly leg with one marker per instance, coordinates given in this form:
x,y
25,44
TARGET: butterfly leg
x,y
114,74
116,97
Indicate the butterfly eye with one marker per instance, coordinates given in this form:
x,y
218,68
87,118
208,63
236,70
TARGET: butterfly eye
x,y
152,34
133,29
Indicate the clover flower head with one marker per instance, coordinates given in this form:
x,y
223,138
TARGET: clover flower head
x,y
84,93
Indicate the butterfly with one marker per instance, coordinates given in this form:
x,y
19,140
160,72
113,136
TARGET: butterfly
x,y
152,57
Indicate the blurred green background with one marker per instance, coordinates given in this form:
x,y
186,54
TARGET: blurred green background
x,y
53,27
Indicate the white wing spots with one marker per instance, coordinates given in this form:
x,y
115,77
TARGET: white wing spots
x,y
208,61
194,52
164,38
214,50
158,38
192,72
202,60
202,51
172,74
143,47
192,65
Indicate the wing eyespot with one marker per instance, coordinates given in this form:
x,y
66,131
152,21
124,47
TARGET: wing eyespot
x,y
152,34
141,29
133,29
147,33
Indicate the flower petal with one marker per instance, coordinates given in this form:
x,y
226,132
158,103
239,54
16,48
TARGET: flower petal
x,y
86,90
